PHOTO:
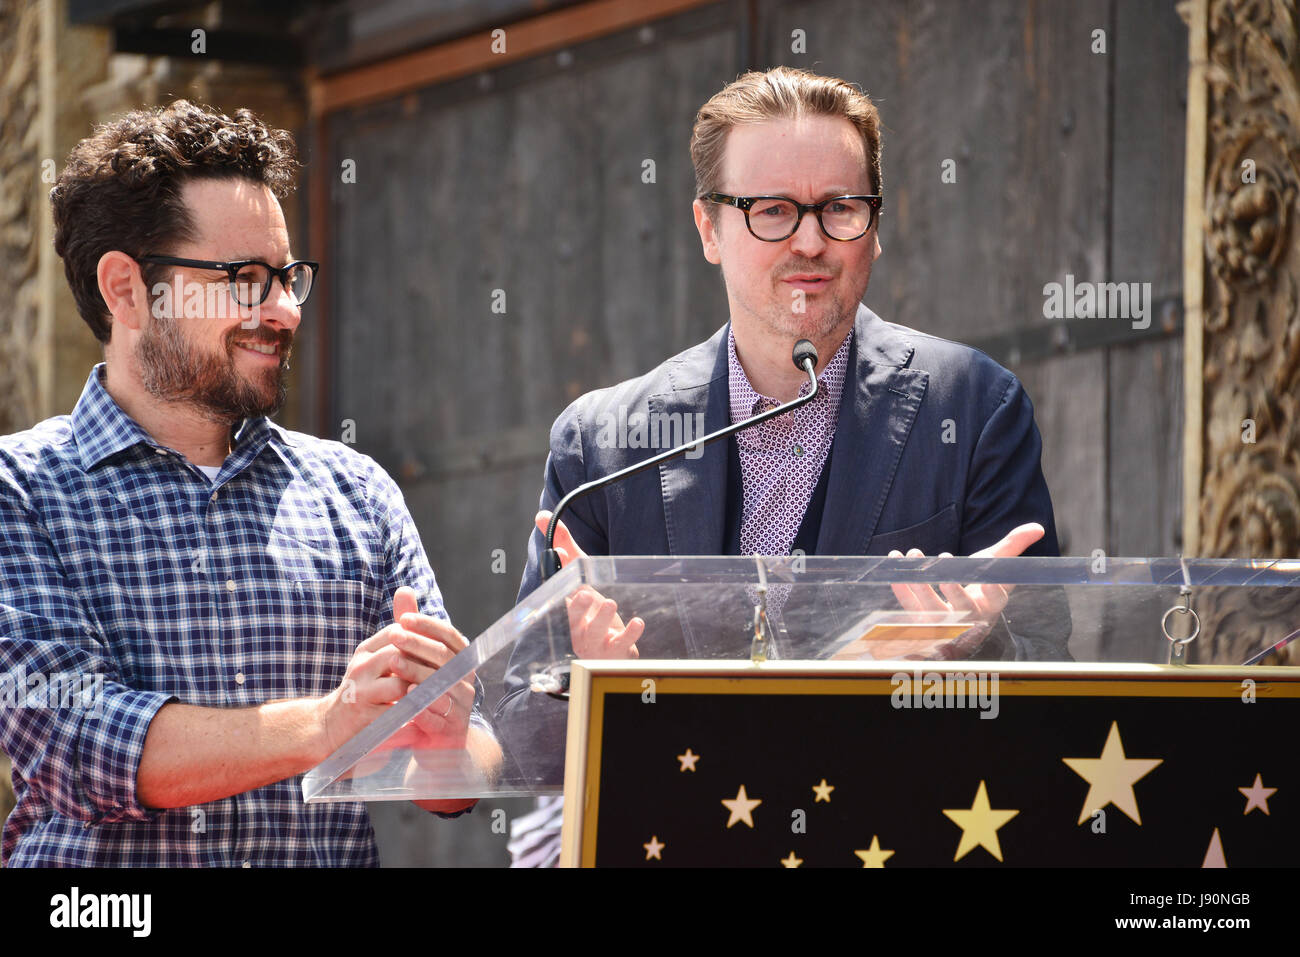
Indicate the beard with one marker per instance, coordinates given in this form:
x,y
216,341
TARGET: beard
x,y
172,369
822,314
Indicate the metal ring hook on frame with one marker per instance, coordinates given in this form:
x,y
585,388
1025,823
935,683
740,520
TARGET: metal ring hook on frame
x,y
1178,646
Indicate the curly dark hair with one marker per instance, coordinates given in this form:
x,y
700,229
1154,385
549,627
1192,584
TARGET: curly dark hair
x,y
121,187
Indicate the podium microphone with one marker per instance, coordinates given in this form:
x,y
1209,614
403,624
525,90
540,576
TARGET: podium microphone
x,y
804,357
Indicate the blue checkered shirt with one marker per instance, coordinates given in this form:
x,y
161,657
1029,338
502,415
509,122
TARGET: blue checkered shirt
x,y
123,566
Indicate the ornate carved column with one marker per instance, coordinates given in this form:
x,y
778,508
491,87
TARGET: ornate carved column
x,y
1244,379
23,340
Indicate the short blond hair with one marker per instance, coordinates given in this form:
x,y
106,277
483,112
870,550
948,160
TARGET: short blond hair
x,y
779,93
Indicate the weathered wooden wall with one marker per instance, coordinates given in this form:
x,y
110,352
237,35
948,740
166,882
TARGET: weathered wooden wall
x,y
1244,359
20,228
533,187
530,182
527,179
1067,161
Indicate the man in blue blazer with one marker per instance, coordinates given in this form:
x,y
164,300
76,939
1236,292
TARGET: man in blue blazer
x,y
894,482
930,446
914,444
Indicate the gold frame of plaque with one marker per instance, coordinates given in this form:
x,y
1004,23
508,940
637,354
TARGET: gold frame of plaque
x,y
1084,685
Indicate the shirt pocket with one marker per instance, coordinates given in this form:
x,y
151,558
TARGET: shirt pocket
x,y
936,534
328,620
302,556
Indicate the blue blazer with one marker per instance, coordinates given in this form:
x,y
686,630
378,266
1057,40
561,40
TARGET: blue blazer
x,y
935,448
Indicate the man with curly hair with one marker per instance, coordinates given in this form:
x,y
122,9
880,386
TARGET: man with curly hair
x,y
194,601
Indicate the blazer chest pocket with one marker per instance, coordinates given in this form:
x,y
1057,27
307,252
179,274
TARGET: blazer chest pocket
x,y
936,534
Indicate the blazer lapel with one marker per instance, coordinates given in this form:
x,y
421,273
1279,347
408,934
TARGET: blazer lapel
x,y
879,404
694,489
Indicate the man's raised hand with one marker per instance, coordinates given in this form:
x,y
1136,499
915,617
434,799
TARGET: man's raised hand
x,y
984,601
596,629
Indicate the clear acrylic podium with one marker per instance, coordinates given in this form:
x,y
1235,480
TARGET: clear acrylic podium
x,y
1141,611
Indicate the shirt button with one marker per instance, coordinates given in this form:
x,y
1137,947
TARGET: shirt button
x,y
247,864
230,584
239,677
161,451
214,497
798,449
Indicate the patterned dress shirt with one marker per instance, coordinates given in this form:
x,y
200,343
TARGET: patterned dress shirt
x,y
781,459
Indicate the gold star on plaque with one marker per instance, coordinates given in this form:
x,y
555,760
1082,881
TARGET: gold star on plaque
x,y
1257,796
1214,853
688,760
653,848
874,856
1111,777
979,825
823,792
791,861
741,807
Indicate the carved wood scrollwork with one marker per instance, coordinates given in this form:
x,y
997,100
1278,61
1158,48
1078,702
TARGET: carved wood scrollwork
x,y
1250,496
19,221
